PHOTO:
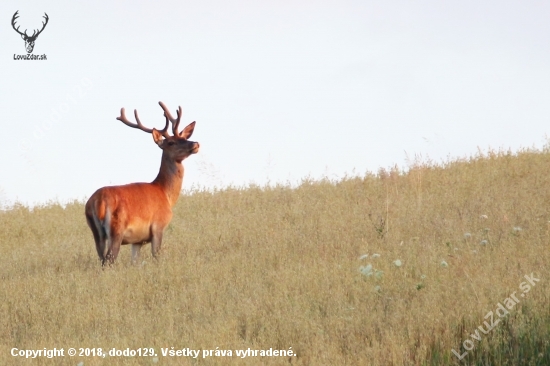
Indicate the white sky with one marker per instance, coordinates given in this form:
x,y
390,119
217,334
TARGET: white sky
x,y
280,89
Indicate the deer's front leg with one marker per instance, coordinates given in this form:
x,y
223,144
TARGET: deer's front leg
x,y
156,242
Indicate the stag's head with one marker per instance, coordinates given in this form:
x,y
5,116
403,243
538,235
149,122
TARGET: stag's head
x,y
29,40
176,146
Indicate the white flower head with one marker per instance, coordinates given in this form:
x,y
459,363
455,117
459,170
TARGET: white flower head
x,y
375,255
366,270
364,256
397,263
483,217
483,242
444,264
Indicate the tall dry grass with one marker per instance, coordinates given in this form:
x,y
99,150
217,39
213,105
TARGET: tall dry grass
x,y
278,267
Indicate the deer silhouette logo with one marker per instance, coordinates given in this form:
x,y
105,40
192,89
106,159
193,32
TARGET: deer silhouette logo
x,y
29,40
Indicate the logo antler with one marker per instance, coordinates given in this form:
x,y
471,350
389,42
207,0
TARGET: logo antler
x,y
29,40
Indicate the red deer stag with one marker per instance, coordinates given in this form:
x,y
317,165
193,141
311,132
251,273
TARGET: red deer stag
x,y
138,213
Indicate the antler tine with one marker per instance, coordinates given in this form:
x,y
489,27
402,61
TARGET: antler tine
x,y
177,124
168,115
164,131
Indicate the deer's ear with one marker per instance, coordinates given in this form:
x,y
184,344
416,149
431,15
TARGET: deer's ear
x,y
157,136
188,131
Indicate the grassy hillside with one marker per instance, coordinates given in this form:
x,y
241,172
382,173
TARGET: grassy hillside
x,y
279,268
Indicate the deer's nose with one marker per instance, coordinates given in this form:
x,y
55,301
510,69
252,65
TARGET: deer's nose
x,y
195,148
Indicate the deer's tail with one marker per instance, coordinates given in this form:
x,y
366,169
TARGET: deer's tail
x,y
98,215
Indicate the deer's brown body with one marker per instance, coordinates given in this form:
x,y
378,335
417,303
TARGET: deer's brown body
x,y
138,213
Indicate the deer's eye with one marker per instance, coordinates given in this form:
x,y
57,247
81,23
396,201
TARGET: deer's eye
x,y
171,143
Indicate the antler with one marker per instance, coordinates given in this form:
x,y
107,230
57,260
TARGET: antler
x,y
167,115
34,34
43,26
175,121
139,126
15,16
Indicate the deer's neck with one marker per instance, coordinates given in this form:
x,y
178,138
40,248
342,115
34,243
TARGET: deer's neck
x,y
170,178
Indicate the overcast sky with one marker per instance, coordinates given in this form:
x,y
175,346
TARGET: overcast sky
x,y
280,89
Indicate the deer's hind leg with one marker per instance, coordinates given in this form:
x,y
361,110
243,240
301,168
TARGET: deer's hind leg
x,y
113,247
135,252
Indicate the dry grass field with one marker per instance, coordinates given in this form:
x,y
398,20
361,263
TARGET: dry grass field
x,y
280,268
